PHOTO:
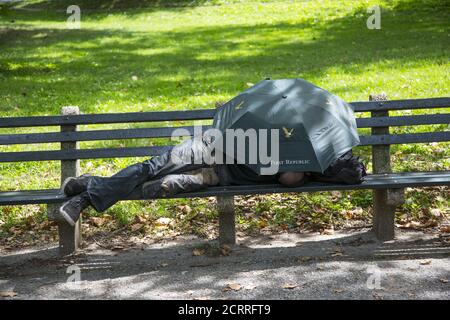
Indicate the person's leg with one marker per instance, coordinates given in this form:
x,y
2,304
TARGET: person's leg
x,y
103,192
180,183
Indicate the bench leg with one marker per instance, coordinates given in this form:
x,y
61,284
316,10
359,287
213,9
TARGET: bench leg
x,y
69,237
383,216
227,226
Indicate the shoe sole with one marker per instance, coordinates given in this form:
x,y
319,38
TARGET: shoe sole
x,y
66,217
64,184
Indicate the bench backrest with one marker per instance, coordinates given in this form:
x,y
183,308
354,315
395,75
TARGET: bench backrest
x,y
379,110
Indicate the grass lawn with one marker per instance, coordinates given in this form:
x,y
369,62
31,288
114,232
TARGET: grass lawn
x,y
146,56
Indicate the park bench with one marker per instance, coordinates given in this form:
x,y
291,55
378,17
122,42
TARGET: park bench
x,y
387,186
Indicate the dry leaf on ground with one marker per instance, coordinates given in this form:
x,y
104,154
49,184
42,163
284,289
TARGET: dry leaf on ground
x,y
304,259
336,253
233,287
8,294
290,286
411,225
198,252
425,263
97,221
136,227
225,250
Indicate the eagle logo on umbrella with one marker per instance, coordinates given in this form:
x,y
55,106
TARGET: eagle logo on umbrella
x,y
287,132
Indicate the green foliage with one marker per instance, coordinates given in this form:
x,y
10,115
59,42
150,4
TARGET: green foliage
x,y
151,56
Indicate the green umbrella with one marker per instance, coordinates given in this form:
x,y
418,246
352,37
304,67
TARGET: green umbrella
x,y
314,127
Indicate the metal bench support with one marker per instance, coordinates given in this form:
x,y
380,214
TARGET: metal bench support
x,y
227,226
69,237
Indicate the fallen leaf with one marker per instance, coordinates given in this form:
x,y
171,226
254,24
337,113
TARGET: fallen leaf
x,y
425,263
233,286
435,212
304,259
225,250
137,226
445,229
290,286
97,221
202,298
328,231
443,280
336,194
357,211
117,248
185,209
411,225
8,294
376,296
338,290
140,219
198,252
164,221
336,253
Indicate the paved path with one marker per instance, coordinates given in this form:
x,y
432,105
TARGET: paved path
x,y
346,265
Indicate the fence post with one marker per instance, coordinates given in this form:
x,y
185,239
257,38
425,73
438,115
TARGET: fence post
x,y
383,210
69,237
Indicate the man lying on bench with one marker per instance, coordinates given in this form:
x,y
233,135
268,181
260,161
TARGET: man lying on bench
x,y
165,175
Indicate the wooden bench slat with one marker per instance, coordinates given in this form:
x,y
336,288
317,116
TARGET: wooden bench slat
x,y
398,121
99,153
82,154
360,106
16,122
94,135
405,104
394,180
165,132
424,137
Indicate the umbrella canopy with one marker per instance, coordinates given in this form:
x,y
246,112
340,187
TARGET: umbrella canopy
x,y
314,126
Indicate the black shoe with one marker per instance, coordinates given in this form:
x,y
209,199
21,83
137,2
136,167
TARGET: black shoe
x,y
71,209
73,186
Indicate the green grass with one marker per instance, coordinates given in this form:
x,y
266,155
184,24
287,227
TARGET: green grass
x,y
188,55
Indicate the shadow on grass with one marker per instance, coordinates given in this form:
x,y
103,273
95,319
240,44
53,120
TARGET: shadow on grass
x,y
108,5
207,60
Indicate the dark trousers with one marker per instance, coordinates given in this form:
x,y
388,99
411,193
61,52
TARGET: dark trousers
x,y
106,191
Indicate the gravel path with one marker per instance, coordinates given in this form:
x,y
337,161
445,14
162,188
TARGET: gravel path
x,y
346,265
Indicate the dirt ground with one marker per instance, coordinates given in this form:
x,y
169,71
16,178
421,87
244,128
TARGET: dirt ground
x,y
345,265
